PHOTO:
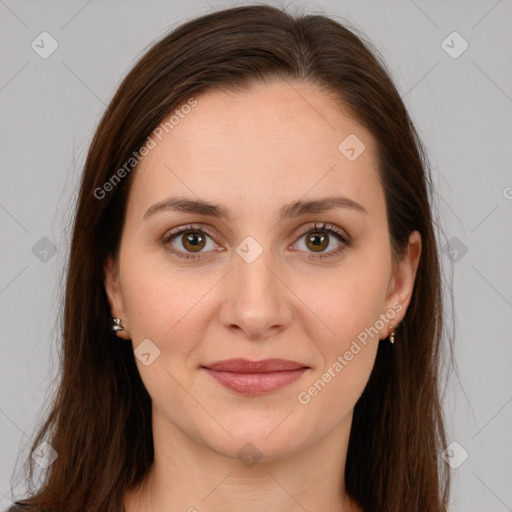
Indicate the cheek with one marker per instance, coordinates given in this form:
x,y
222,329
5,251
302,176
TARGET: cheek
x,y
352,315
156,296
166,308
170,307
348,353
346,303
350,309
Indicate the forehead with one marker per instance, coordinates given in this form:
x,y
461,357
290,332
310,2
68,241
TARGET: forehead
x,y
279,140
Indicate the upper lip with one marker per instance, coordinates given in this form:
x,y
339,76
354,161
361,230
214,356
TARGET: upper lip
x,y
247,366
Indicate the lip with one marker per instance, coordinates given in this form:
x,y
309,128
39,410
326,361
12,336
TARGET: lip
x,y
241,365
255,377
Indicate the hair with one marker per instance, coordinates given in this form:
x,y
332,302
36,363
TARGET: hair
x,y
99,422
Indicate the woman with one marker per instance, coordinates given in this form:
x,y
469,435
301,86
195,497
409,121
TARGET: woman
x,y
254,220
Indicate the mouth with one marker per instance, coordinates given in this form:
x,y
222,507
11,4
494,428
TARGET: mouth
x,y
255,377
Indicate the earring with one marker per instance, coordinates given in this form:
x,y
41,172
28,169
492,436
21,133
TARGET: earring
x,y
116,325
391,334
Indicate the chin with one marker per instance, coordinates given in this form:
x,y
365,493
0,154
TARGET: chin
x,y
262,442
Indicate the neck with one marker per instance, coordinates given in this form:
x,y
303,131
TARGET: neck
x,y
189,476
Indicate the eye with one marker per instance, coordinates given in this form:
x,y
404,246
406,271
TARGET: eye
x,y
318,241
190,241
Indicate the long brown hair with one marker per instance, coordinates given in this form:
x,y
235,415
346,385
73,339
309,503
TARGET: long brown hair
x,y
99,422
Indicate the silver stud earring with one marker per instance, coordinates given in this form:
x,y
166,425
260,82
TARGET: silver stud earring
x,y
116,325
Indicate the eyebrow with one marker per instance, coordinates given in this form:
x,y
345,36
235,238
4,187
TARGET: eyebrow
x,y
291,210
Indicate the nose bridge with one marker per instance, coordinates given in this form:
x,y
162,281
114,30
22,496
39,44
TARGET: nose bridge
x,y
256,300
254,268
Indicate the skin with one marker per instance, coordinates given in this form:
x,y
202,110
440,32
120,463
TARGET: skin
x,y
254,152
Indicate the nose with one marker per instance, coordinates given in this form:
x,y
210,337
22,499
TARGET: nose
x,y
257,301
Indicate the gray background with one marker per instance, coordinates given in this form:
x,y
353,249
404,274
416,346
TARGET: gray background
x,y
462,108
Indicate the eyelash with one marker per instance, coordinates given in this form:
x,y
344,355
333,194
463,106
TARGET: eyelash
x,y
327,228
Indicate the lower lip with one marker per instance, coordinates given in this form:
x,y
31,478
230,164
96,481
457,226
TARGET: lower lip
x,y
256,383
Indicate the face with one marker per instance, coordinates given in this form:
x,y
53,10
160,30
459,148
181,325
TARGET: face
x,y
317,287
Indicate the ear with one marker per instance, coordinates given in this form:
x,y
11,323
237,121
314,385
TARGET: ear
x,y
402,282
114,295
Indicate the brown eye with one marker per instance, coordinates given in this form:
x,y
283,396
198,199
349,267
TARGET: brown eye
x,y
193,241
317,241
188,242
320,237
